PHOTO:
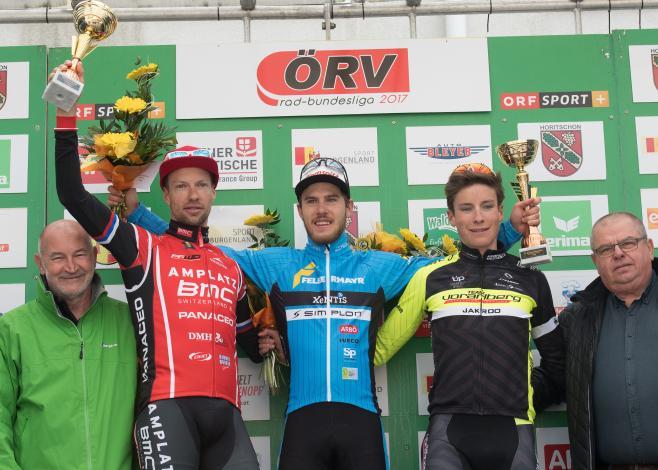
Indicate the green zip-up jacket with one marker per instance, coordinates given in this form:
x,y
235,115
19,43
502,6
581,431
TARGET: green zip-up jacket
x,y
67,392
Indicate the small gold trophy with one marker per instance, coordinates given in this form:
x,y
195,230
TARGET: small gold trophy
x,y
94,21
518,154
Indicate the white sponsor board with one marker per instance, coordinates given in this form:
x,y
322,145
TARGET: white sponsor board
x,y
381,388
424,376
433,152
11,296
646,131
254,394
355,148
564,284
262,447
13,163
367,216
649,199
644,72
13,238
553,451
116,291
226,226
14,90
332,78
567,150
239,156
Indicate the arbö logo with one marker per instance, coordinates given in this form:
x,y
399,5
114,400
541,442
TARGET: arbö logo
x,y
287,74
566,224
348,329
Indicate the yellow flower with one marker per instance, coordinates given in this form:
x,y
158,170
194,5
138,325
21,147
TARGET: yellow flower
x,y
144,69
448,244
257,220
412,240
390,243
114,144
130,105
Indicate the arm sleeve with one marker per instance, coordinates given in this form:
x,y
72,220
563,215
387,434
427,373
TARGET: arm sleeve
x,y
508,235
403,321
548,378
260,266
396,271
8,398
94,216
148,220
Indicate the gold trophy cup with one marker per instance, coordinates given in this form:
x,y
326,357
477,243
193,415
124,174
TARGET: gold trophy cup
x,y
518,154
94,21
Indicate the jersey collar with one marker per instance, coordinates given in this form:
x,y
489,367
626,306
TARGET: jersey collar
x,y
490,255
339,245
188,233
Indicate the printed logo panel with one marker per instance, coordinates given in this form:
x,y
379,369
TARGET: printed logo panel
x,y
567,150
362,222
13,163
646,131
644,73
12,296
14,90
565,284
239,156
13,243
319,78
226,226
430,216
553,452
566,222
254,393
552,99
433,152
649,198
424,376
381,388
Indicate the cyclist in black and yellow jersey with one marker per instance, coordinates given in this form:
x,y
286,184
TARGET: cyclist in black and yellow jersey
x,y
483,308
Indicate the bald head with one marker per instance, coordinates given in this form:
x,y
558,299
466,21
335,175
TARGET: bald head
x,y
67,229
622,217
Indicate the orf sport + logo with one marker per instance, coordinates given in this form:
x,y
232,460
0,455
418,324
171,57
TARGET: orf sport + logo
x,y
562,150
287,74
567,224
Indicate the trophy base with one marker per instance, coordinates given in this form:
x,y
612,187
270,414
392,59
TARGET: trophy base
x,y
63,91
534,255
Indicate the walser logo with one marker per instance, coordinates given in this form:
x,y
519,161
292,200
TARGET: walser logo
x,y
90,112
556,99
436,224
566,224
3,85
449,152
294,78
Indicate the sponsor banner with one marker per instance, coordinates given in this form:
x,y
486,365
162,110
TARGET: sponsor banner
x,y
430,216
226,226
433,152
104,259
567,150
566,222
116,291
262,447
553,452
381,388
13,241
333,78
254,394
355,148
644,73
649,199
564,284
424,377
13,163
362,221
12,296
239,155
646,131
14,90
555,99
102,111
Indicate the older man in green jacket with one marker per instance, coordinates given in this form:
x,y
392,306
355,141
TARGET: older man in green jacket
x,y
67,366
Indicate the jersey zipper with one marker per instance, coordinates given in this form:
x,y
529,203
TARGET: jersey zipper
x,y
328,303
481,333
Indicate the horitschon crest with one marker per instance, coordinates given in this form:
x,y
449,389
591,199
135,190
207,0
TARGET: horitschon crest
x,y
562,151
3,85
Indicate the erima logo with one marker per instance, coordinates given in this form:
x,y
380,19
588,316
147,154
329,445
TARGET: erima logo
x,y
566,225
307,270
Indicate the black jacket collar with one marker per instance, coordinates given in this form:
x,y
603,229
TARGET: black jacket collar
x,y
188,233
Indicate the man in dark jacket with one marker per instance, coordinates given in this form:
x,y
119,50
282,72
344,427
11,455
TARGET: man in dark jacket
x,y
611,340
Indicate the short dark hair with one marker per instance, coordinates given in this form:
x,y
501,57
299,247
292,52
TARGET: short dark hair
x,y
464,179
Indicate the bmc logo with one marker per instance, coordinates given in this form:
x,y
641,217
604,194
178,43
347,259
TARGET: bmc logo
x,y
557,457
348,329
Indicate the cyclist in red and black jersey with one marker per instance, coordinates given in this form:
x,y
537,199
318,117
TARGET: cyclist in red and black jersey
x,y
483,309
187,299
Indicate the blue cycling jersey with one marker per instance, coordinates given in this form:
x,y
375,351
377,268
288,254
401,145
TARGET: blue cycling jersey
x,y
328,301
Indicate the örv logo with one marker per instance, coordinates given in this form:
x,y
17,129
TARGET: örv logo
x,y
338,72
348,330
199,356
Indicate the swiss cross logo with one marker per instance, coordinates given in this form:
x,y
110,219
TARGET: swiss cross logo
x,y
557,457
332,72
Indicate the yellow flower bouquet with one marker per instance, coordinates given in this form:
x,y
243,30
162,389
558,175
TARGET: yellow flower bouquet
x,y
122,147
407,244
